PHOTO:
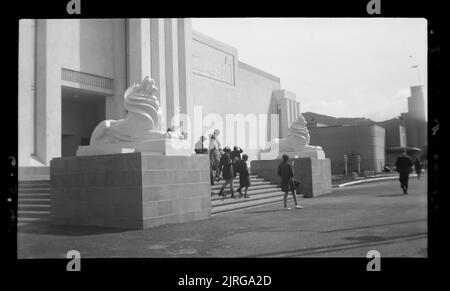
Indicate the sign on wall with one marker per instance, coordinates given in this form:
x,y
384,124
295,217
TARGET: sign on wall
x,y
211,62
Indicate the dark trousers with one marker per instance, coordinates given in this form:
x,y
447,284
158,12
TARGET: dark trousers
x,y
404,177
286,193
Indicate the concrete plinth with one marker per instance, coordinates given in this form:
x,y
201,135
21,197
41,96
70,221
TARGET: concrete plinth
x,y
168,147
313,174
131,190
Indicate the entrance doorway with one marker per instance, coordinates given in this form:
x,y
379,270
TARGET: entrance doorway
x,y
81,113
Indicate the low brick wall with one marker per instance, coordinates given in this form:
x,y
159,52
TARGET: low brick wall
x,y
134,190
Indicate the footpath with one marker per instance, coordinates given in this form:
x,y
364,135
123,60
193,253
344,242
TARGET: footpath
x,y
374,178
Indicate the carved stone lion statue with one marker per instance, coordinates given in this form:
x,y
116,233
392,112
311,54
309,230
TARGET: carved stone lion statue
x,y
142,121
297,142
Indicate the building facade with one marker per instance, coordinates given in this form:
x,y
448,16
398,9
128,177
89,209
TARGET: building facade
x,y
73,74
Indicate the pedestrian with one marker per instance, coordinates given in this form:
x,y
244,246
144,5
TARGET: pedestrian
x,y
214,157
286,172
236,158
226,167
418,168
244,176
404,166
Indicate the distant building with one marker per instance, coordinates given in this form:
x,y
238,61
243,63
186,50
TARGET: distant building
x,y
365,141
376,147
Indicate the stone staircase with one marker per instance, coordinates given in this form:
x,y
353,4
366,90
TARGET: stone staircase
x,y
34,198
261,192
34,201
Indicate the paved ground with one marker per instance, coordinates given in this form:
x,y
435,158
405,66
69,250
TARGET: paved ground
x,y
347,223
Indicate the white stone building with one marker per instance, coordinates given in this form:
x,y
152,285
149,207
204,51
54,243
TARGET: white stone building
x,y
73,73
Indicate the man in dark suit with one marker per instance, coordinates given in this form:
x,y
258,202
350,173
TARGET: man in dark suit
x,y
404,168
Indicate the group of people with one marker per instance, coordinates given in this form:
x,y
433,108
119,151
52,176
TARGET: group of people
x,y
226,164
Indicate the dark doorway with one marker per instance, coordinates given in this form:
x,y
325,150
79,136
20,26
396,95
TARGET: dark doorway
x,y
81,113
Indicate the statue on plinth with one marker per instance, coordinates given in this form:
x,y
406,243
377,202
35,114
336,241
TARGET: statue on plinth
x,y
295,145
142,121
140,130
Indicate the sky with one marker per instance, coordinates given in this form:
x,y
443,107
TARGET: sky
x,y
342,67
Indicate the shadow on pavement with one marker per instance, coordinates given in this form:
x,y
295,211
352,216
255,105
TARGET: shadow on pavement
x,y
365,241
375,225
46,228
264,211
391,195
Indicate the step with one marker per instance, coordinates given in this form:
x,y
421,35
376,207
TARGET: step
x,y
248,204
32,214
251,188
251,178
40,201
229,200
34,182
26,200
34,196
32,219
33,191
254,192
33,207
28,187
236,183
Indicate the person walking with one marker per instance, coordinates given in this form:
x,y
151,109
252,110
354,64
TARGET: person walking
x,y
226,167
418,168
244,176
236,158
214,157
404,166
286,173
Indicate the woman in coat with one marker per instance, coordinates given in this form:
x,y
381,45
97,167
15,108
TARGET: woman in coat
x,y
244,176
286,173
226,167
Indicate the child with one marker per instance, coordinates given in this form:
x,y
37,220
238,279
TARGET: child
x,y
244,176
286,172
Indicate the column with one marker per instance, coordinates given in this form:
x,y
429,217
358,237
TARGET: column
x,y
48,90
284,117
291,111
185,73
171,66
139,58
114,103
27,33
295,110
298,108
158,64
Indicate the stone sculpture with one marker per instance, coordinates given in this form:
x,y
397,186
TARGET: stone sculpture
x,y
295,145
140,130
142,121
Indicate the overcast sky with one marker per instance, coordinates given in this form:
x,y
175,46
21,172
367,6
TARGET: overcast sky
x,y
339,67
